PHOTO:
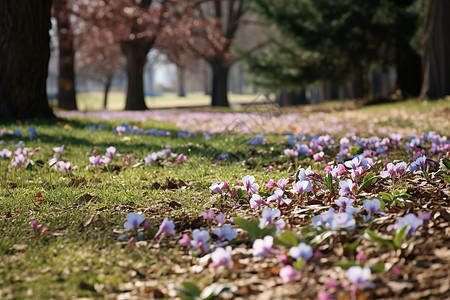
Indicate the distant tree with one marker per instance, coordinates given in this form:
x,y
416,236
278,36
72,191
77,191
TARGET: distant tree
x,y
99,55
136,26
173,42
212,36
334,41
66,63
436,50
24,57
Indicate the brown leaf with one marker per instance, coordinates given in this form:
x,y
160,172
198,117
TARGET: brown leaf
x,y
39,198
84,199
77,182
174,204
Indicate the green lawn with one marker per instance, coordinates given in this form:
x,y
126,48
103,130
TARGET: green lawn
x,y
84,254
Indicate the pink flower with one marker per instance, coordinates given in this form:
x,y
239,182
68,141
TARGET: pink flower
x,y
331,283
185,240
318,156
278,196
181,158
44,230
249,184
63,166
166,226
271,184
33,224
361,257
324,295
256,201
96,161
288,273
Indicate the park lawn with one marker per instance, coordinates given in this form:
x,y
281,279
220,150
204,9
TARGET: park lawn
x,y
84,253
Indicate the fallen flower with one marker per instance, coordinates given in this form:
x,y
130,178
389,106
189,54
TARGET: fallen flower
x,y
221,257
166,226
262,246
288,273
133,220
302,251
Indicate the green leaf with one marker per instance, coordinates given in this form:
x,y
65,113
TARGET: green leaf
x,y
387,196
190,289
329,181
352,247
446,162
400,236
299,264
287,238
378,268
369,179
240,193
372,236
347,264
253,229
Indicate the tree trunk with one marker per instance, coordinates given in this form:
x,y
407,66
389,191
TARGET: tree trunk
x,y
219,84
181,90
436,50
24,56
287,98
135,52
66,77
106,92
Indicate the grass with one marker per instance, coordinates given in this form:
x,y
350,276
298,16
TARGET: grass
x,y
93,101
81,255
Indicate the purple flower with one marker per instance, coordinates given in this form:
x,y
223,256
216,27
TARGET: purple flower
x,y
5,153
151,159
397,170
410,221
19,160
200,240
318,156
301,186
256,201
278,196
268,219
424,216
120,130
63,166
346,188
250,185
290,153
133,220
262,246
221,257
181,158
288,273
221,218
342,221
96,161
217,188
302,251
226,232
420,164
372,207
32,132
58,150
166,226
110,152
343,203
358,276
282,183
208,215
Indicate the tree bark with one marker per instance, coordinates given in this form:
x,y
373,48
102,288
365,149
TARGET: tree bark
x,y
106,92
287,98
181,89
24,56
219,84
436,50
66,77
135,52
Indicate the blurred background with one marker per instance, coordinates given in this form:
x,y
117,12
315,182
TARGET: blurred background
x,y
140,54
